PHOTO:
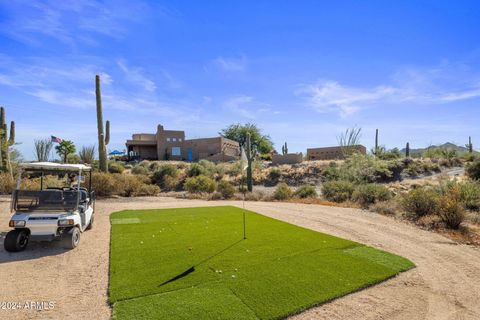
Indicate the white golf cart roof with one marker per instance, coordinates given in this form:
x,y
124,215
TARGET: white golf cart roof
x,y
51,166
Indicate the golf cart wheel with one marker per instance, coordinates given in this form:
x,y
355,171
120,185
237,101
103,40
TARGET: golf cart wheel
x,y
16,240
90,225
71,238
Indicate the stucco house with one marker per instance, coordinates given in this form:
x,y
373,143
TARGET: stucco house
x,y
172,145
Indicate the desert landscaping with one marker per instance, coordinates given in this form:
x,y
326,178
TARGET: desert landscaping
x,y
443,285
246,160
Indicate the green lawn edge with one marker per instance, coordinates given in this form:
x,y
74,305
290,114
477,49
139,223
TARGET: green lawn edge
x,y
409,265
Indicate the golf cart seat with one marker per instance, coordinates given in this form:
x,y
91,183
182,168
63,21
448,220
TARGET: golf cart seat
x,y
51,196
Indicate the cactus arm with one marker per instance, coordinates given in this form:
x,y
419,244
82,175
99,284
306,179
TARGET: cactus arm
x,y
107,132
11,139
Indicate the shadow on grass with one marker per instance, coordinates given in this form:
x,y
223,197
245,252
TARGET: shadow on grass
x,y
192,268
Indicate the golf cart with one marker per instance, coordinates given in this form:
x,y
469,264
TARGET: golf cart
x,y
51,213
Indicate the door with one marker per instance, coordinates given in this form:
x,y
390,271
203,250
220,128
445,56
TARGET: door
x,y
190,154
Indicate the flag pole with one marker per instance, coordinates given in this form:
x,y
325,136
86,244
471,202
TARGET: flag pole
x,y
243,160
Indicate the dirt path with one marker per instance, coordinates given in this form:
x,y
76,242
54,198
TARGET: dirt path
x,y
445,284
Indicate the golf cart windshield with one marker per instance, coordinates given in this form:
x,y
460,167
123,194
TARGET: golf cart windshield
x,y
47,200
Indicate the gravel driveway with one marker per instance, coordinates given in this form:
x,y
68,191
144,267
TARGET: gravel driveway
x,y
445,284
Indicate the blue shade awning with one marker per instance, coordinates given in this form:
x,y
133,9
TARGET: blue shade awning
x,y
116,153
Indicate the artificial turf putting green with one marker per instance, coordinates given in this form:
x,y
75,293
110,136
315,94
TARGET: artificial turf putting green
x,y
194,264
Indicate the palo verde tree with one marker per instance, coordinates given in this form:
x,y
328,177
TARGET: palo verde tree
x,y
260,142
65,148
103,137
6,141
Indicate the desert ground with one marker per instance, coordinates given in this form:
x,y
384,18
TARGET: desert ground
x,y
444,285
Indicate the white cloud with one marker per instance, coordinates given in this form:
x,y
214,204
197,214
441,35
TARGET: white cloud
x,y
443,84
231,64
136,75
246,106
69,21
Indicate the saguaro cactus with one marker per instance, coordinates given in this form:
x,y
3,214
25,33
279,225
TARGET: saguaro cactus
x,y
5,142
469,145
250,153
103,137
376,142
407,150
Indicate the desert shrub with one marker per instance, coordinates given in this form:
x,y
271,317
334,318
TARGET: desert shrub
x,y
165,176
331,172
469,195
129,185
115,167
367,194
337,191
196,169
306,191
364,169
7,183
389,208
255,195
209,167
274,175
138,169
200,184
451,211
145,163
226,189
74,158
148,190
472,170
282,192
420,202
104,184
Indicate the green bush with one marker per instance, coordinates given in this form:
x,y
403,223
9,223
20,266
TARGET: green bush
x,y
469,194
420,202
196,169
450,211
337,191
282,192
274,175
306,191
362,169
138,169
200,184
226,189
115,167
148,190
130,185
371,193
166,176
472,170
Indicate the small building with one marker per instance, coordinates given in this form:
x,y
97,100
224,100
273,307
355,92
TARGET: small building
x,y
172,145
289,158
331,153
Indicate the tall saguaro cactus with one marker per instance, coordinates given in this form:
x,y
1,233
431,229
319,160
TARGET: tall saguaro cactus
x,y
376,141
469,145
5,142
407,150
103,137
250,153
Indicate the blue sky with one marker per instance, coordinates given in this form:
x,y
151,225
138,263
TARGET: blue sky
x,y
304,71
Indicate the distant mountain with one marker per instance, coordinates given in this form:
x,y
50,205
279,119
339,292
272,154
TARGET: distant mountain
x,y
460,149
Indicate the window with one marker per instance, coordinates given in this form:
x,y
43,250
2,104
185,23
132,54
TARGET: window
x,y
179,139
168,139
176,151
174,139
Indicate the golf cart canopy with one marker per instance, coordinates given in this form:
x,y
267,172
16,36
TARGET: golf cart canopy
x,y
51,166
